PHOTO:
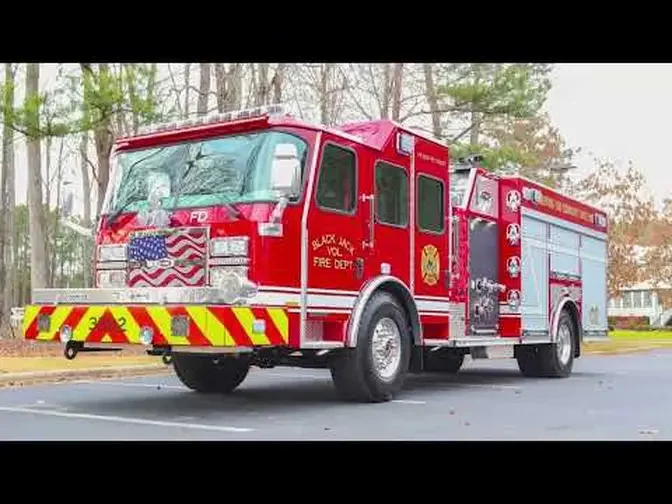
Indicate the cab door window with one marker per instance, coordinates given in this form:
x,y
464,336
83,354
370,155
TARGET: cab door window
x,y
431,216
337,183
391,195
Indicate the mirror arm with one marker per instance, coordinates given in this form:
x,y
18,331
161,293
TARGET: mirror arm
x,y
278,210
84,231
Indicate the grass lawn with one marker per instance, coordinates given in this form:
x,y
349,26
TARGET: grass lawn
x,y
83,361
630,341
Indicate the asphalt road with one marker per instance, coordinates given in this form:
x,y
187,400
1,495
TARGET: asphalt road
x,y
625,397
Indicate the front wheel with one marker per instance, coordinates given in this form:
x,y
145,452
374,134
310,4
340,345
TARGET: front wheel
x,y
374,371
204,374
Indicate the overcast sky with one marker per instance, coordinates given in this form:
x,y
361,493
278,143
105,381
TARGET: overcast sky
x,y
614,111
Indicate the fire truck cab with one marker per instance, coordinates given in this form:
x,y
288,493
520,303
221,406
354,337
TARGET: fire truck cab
x,y
255,239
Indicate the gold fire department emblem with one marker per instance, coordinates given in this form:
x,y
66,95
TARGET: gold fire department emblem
x,y
430,264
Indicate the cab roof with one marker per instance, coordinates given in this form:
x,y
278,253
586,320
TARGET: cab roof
x,y
374,134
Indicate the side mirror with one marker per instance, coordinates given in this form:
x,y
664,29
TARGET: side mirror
x,y
67,202
285,168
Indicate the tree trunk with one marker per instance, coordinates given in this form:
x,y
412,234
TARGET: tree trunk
x,y
220,86
278,81
104,139
10,245
129,70
235,80
187,88
262,86
325,92
430,93
54,246
48,188
397,81
384,99
37,222
204,90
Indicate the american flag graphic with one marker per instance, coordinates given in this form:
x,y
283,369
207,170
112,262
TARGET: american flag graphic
x,y
173,259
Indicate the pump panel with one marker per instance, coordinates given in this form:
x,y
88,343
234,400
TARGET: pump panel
x,y
483,276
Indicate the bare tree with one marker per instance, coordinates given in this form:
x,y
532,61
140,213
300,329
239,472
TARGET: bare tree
x,y
187,88
9,244
431,96
203,90
37,221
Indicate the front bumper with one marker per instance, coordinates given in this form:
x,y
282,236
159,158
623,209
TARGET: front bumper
x,y
158,325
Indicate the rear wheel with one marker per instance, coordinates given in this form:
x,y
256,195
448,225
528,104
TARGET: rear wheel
x,y
204,374
554,360
374,371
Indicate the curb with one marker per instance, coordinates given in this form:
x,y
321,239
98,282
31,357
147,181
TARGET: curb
x,y
27,378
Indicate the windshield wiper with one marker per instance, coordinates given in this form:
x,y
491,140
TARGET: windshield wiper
x,y
190,164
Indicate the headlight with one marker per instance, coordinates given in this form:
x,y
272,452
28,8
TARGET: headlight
x,y
112,253
111,279
220,276
232,283
230,246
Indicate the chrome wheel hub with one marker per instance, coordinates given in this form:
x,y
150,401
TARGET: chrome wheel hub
x,y
564,344
386,348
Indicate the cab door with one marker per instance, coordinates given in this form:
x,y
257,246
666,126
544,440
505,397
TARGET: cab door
x,y
335,229
432,224
390,240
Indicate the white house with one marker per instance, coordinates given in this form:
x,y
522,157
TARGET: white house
x,y
641,300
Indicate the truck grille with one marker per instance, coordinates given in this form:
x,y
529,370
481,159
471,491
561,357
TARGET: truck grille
x,y
168,258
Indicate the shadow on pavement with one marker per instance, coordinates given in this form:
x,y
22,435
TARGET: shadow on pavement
x,y
283,395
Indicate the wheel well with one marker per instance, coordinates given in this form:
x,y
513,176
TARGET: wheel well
x,y
404,297
573,311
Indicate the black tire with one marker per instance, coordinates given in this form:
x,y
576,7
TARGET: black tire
x,y
443,361
528,359
202,374
555,360
353,371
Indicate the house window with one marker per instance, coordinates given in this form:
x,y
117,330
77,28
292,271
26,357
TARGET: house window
x,y
648,301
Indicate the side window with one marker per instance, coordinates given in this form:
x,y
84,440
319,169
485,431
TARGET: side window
x,y
430,204
391,194
336,188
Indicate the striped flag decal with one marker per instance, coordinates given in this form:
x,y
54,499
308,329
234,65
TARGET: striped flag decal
x,y
207,325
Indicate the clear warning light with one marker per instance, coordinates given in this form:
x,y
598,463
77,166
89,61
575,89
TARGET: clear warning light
x,y
146,336
65,334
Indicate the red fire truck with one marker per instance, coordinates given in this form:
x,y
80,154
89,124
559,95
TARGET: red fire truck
x,y
255,239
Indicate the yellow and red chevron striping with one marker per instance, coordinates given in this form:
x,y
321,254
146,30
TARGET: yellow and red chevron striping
x,y
208,325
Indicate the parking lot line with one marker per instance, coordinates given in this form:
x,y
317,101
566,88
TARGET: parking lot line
x,y
134,385
127,420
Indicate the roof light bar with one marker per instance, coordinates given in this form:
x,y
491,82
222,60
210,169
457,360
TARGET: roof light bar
x,y
215,118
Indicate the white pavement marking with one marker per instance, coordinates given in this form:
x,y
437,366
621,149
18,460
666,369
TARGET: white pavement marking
x,y
485,386
127,420
136,385
291,375
407,401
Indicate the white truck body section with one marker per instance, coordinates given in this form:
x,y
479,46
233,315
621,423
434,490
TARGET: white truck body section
x,y
553,248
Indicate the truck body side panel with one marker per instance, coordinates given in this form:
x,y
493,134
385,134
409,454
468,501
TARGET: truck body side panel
x,y
594,274
534,281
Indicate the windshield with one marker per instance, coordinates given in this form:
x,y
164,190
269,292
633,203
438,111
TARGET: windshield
x,y
459,183
224,170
